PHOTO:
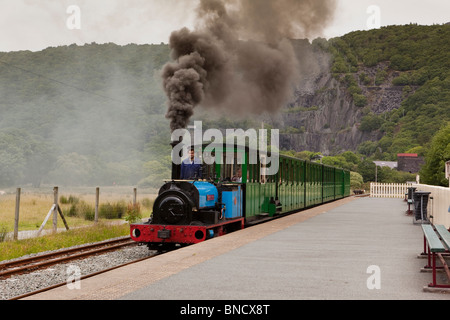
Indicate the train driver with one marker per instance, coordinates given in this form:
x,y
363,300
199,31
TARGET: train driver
x,y
191,167
238,176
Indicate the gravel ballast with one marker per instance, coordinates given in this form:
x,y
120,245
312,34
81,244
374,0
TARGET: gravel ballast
x,y
66,272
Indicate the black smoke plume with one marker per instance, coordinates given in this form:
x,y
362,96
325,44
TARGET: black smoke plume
x,y
239,56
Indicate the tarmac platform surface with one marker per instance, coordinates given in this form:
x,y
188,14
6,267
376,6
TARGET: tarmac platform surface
x,y
355,248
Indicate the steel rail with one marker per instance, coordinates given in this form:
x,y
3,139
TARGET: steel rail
x,y
33,263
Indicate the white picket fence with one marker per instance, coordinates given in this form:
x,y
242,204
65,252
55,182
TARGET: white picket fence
x,y
388,190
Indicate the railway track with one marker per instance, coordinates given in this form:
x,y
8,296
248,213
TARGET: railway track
x,y
20,266
28,294
29,265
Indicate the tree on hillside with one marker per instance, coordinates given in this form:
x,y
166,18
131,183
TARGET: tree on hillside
x,y
367,170
23,158
356,180
433,172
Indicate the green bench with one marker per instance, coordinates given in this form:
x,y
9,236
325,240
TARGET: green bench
x,y
436,242
409,198
410,202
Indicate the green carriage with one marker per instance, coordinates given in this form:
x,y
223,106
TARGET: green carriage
x,y
296,185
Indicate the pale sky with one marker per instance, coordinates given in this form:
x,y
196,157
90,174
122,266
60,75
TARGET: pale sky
x,y
37,24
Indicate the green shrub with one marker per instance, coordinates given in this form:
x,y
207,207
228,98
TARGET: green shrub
x,y
112,210
354,89
356,180
81,209
371,122
63,200
71,212
380,77
360,100
133,213
85,210
71,199
365,79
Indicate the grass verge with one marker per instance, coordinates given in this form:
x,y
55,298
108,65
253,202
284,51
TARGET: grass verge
x,y
101,231
78,207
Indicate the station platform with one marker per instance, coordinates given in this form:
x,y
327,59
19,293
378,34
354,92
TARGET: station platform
x,y
351,249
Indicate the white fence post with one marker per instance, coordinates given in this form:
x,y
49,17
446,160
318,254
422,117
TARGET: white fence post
x,y
16,215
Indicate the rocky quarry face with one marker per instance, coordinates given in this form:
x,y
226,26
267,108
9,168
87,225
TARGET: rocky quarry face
x,y
323,116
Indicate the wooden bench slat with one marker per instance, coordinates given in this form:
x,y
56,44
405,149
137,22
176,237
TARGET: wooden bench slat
x,y
433,240
444,234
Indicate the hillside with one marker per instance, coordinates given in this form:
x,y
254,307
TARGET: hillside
x,y
94,114
385,89
403,73
81,114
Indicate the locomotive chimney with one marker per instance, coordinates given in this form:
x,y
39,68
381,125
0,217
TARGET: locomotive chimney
x,y
176,168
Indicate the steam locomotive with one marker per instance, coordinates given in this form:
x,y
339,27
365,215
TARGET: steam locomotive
x,y
230,196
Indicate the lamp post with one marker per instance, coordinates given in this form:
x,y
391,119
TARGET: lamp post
x,y
447,172
376,173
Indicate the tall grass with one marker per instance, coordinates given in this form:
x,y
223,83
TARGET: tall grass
x,y
35,204
3,233
114,210
81,209
109,210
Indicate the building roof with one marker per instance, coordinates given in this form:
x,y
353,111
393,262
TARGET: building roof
x,y
390,164
411,155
